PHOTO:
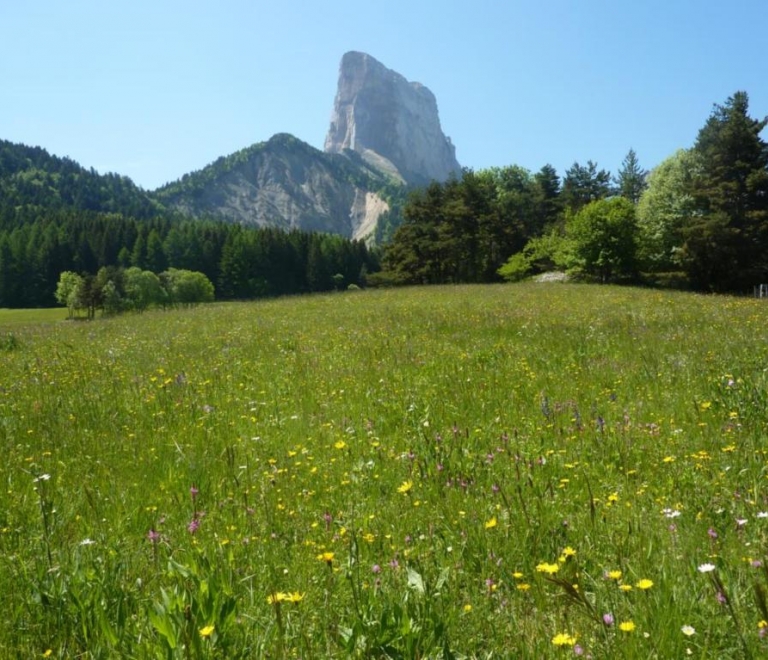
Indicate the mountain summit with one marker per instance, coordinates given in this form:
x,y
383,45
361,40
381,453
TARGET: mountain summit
x,y
392,123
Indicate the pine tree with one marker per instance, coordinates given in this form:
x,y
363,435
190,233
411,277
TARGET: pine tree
x,y
726,245
631,181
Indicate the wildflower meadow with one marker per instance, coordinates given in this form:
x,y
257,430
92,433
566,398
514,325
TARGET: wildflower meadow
x,y
523,471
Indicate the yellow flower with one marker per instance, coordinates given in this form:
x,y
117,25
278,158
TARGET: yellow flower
x,y
207,631
277,597
550,569
294,597
405,487
569,552
625,587
467,608
644,584
626,626
48,653
614,575
517,575
491,523
340,444
523,586
326,557
563,639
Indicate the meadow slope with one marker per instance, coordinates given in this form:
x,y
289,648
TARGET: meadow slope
x,y
523,471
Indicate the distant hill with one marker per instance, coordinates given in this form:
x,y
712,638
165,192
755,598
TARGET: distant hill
x,y
285,183
31,177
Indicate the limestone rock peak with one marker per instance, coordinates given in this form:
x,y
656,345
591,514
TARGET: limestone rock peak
x,y
391,122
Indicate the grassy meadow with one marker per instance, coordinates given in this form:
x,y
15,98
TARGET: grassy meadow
x,y
523,471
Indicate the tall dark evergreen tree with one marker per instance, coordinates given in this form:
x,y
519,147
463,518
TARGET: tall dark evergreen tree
x,y
631,180
584,184
726,240
548,204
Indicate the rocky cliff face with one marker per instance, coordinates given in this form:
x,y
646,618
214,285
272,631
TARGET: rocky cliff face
x,y
284,183
391,122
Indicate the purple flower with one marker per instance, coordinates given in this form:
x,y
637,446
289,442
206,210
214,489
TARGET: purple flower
x,y
193,491
394,563
721,598
712,533
577,650
193,525
153,536
608,619
376,569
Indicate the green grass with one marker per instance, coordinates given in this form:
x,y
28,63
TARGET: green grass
x,y
14,317
405,465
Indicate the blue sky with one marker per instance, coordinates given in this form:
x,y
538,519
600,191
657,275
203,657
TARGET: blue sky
x,y
153,89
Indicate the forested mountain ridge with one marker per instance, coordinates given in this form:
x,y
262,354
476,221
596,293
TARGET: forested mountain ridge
x,y
286,183
31,177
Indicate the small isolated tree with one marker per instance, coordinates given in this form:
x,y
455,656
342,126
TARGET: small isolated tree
x,y
68,290
186,287
602,238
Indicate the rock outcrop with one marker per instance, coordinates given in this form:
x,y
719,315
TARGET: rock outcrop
x,y
392,123
284,183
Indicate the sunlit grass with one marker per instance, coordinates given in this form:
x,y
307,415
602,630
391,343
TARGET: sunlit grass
x,y
12,317
529,470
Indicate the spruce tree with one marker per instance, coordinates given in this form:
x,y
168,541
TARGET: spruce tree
x,y
630,183
726,247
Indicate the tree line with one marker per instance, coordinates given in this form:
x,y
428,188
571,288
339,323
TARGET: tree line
x,y
38,245
699,219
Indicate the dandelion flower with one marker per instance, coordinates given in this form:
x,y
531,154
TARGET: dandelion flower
x,y
326,557
467,608
626,626
625,587
644,584
569,552
491,523
277,597
614,575
549,569
688,630
405,487
563,639
706,568
207,631
294,597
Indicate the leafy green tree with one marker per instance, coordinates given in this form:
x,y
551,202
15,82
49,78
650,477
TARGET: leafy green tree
x,y
603,239
631,180
726,240
68,290
186,288
664,208
142,289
